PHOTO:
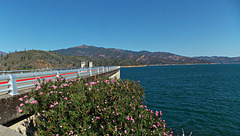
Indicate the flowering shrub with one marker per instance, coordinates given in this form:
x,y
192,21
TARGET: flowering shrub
x,y
104,107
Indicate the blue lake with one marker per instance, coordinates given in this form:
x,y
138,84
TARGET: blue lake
x,y
202,99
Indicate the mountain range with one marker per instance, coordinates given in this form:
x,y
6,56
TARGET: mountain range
x,y
72,57
145,57
220,59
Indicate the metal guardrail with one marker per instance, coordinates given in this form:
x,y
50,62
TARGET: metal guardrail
x,y
36,70
12,82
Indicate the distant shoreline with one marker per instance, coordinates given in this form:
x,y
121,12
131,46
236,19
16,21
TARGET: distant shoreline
x,y
133,66
181,64
166,65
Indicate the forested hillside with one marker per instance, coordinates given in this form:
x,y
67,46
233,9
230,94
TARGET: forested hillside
x,y
37,59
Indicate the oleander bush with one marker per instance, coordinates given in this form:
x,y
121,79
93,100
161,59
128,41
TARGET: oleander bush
x,y
103,107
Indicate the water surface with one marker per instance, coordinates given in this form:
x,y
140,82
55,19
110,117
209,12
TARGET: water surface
x,y
203,99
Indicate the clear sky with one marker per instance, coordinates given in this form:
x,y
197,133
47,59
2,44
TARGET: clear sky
x,y
184,27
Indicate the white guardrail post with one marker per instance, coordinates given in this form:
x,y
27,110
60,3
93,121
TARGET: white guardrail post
x,y
79,73
57,75
90,71
13,84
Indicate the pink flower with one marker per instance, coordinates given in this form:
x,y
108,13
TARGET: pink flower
x,y
33,102
130,104
37,78
56,103
65,98
20,99
21,104
60,92
156,113
86,84
19,110
51,106
113,121
139,116
117,113
101,126
65,85
132,119
51,92
38,87
93,83
54,87
25,96
132,96
125,131
112,80
57,134
128,118
41,93
47,80
71,132
134,108
27,102
154,126
98,81
97,89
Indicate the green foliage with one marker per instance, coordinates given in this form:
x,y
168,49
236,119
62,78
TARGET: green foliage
x,y
104,107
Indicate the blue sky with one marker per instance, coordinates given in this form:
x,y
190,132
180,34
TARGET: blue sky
x,y
184,27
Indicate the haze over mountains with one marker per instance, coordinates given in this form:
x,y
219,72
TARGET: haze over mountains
x,y
145,57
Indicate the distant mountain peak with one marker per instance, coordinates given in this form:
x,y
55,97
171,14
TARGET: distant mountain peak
x,y
82,46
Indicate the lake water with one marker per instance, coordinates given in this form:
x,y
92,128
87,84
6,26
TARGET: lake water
x,y
202,99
